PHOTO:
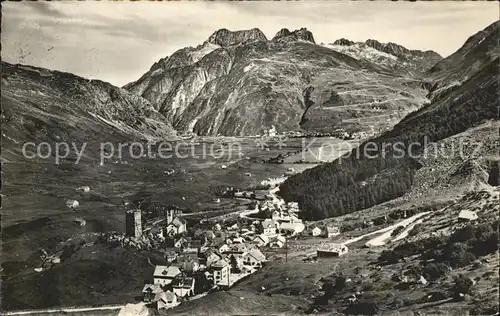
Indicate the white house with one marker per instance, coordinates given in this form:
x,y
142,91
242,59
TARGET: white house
x,y
180,242
183,286
164,275
291,228
316,231
221,270
217,227
84,188
224,248
466,215
332,231
166,300
176,227
72,204
278,242
253,258
332,250
293,205
261,240
270,226
150,292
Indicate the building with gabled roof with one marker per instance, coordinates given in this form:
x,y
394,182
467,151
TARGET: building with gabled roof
x,y
166,300
253,258
269,226
332,231
278,242
466,215
332,250
316,231
261,240
291,228
183,286
176,227
164,275
150,292
221,271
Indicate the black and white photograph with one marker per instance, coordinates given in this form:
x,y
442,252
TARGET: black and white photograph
x,y
250,158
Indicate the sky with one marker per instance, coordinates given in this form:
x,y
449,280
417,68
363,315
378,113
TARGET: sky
x,y
119,41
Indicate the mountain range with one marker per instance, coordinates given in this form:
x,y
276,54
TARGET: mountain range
x,y
241,83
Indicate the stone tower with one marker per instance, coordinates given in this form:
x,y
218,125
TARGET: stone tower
x,y
133,223
170,216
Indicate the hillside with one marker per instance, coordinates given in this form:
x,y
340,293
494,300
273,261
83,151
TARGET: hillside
x,y
384,168
240,83
44,105
478,52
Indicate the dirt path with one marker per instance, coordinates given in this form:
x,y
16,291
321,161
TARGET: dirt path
x,y
66,310
383,238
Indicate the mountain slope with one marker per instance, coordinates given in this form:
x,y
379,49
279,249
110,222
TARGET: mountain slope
x,y
383,168
240,83
478,52
43,105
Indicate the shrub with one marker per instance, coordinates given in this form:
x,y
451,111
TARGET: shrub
x,y
436,296
485,308
389,257
435,270
418,228
462,284
367,286
457,254
340,282
397,231
362,308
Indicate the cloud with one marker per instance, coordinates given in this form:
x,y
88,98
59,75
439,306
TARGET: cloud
x,y
118,41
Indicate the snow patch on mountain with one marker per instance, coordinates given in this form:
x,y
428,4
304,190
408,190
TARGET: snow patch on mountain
x,y
361,51
249,67
201,52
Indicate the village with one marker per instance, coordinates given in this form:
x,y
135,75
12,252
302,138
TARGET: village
x,y
214,256
208,255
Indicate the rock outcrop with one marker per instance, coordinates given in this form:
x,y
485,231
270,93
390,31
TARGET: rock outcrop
x,y
225,37
301,34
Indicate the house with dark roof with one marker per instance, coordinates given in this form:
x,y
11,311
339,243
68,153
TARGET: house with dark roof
x,y
221,270
183,286
332,231
261,240
278,242
150,292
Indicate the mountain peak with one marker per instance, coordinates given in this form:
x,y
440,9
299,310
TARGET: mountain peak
x,y
343,42
399,50
300,34
225,37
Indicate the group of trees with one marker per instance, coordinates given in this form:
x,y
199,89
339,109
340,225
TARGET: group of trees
x,y
439,254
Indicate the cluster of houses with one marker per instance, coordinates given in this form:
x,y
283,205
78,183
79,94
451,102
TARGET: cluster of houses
x,y
206,260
